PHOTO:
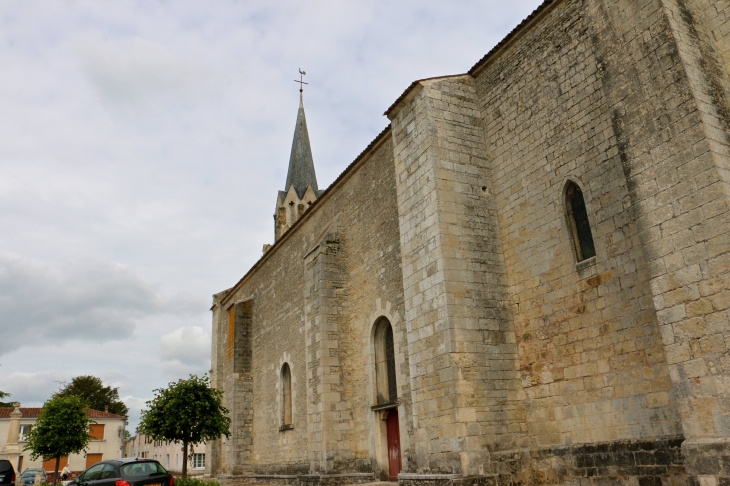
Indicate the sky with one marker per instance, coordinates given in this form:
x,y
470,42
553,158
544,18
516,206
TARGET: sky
x,y
142,145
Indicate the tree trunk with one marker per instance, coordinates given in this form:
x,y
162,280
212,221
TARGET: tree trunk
x,y
185,459
55,473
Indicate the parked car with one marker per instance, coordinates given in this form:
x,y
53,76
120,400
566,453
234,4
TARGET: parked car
x,y
128,471
7,472
29,475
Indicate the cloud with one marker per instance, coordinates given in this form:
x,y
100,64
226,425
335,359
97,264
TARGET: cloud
x,y
91,300
135,406
32,389
137,70
186,350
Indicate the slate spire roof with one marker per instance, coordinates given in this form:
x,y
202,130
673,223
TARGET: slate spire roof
x,y
301,165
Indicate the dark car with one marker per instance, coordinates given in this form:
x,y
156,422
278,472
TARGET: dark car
x,y
7,472
128,471
29,475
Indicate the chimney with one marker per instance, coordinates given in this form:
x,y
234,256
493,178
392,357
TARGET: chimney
x,y
106,408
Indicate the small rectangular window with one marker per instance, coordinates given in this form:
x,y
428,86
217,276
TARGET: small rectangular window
x,y
97,431
50,464
198,461
92,459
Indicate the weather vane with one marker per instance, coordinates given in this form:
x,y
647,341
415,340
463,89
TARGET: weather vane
x,y
301,80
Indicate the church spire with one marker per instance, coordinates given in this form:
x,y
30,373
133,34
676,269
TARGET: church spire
x,y
301,182
301,165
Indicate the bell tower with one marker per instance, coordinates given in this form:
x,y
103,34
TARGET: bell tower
x,y
301,181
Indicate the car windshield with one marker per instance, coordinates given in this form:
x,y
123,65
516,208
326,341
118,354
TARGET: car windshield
x,y
29,472
142,469
5,466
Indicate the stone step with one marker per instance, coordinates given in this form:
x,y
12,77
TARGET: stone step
x,y
374,483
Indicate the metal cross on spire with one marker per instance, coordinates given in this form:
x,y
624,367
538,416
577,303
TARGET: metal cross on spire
x,y
301,80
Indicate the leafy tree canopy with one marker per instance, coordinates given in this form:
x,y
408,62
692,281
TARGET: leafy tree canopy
x,y
62,428
96,395
189,411
5,404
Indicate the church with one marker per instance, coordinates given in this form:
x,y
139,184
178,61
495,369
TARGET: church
x,y
524,279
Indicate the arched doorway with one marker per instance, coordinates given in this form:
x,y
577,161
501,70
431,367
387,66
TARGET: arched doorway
x,y
386,399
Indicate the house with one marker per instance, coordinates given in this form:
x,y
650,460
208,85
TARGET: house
x,y
107,439
169,454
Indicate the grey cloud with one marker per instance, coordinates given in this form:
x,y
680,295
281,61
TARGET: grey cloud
x,y
186,350
139,70
91,300
189,345
135,406
32,389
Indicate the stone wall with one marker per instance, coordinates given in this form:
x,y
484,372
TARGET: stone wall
x,y
629,103
591,357
315,298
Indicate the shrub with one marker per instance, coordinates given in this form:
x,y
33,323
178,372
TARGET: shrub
x,y
193,481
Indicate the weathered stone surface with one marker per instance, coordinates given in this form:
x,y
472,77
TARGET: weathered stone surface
x,y
515,363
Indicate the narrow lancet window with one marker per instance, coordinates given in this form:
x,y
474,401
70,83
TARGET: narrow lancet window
x,y
286,394
387,389
578,221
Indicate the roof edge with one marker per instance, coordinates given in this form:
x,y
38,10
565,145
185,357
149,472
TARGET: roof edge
x,y
325,194
34,412
545,7
410,87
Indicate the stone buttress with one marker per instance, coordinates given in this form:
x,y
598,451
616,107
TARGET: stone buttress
x,y
467,399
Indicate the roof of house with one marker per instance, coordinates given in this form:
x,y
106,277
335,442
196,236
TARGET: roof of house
x,y
34,412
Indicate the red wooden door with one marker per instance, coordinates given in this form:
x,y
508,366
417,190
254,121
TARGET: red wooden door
x,y
394,464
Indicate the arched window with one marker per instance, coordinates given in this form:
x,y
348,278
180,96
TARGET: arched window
x,y
387,388
578,222
286,394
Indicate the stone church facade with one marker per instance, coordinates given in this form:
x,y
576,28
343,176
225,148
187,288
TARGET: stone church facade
x,y
524,279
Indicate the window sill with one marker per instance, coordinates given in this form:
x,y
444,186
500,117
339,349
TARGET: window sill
x,y
584,266
286,427
383,406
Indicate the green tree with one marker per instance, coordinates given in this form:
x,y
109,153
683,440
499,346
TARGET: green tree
x,y
187,411
62,428
5,404
97,396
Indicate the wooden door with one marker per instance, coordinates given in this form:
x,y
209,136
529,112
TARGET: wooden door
x,y
394,463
